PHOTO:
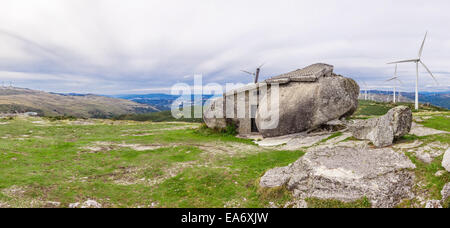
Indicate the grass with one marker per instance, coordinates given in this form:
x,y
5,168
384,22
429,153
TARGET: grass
x,y
427,182
163,116
329,203
185,165
367,109
50,160
440,122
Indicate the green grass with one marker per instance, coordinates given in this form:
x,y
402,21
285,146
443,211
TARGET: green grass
x,y
163,116
321,203
50,161
441,122
367,109
236,185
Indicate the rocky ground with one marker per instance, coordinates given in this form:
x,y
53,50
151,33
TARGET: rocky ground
x,y
337,166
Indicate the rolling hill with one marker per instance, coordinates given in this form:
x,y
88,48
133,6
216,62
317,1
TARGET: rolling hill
x,y
441,99
162,102
19,100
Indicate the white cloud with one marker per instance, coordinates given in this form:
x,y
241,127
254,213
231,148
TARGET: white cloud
x,y
141,44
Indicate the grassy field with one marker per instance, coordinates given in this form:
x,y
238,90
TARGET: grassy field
x,y
130,164
119,163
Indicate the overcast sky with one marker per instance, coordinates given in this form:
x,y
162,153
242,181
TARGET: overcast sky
x,y
132,46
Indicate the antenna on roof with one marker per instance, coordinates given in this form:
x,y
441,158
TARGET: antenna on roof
x,y
256,74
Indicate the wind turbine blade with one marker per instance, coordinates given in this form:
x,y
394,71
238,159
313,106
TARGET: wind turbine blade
x,y
250,73
423,43
395,73
405,61
429,71
390,79
262,65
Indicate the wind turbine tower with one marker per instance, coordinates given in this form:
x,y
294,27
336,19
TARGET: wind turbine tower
x,y
395,78
417,61
256,74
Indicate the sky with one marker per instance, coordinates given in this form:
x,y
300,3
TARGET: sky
x,y
147,46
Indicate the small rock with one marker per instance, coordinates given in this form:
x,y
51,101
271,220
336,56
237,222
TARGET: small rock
x,y
74,205
414,144
445,192
424,157
446,160
440,173
272,205
433,204
299,203
52,204
91,204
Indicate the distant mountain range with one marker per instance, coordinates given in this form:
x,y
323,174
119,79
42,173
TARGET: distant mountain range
x,y
162,102
441,99
19,100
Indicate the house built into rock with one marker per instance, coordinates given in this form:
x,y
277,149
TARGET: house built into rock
x,y
293,102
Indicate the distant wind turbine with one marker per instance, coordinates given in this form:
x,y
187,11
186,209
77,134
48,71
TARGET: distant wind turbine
x,y
256,74
417,61
395,78
365,90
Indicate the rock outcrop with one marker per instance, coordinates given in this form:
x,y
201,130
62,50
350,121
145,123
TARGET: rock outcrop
x,y
305,106
446,160
347,174
383,130
306,98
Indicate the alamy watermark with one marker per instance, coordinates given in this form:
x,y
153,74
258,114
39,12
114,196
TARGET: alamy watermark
x,y
259,101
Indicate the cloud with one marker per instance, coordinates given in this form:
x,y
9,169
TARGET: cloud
x,y
106,46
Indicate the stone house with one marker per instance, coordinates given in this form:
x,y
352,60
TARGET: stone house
x,y
307,98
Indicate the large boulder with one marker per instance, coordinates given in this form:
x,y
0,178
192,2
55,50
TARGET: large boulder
x,y
383,130
307,105
347,174
446,160
213,114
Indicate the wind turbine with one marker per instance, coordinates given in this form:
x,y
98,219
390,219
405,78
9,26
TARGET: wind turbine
x,y
417,61
256,74
395,78
365,89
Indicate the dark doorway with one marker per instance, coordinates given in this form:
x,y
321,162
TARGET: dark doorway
x,y
253,126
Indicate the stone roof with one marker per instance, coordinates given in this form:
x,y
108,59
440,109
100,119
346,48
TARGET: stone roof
x,y
308,74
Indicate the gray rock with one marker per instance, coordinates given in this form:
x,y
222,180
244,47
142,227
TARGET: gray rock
x,y
446,160
420,130
445,192
440,173
213,114
74,205
275,177
433,204
347,174
383,130
91,204
305,106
